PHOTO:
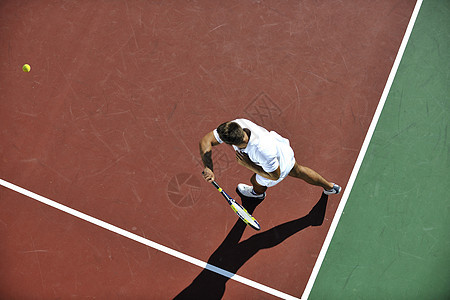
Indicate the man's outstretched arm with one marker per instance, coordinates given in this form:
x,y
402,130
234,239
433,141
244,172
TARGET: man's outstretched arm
x,y
205,145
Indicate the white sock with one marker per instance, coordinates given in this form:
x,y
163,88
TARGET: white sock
x,y
253,192
331,188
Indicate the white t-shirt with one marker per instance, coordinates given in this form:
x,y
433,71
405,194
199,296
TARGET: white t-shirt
x,y
266,149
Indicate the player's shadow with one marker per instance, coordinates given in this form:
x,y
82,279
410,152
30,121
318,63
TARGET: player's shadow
x,y
232,254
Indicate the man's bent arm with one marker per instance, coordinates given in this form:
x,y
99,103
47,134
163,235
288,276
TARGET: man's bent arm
x,y
245,161
206,144
275,175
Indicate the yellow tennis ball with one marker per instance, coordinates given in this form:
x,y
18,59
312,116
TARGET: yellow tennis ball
x,y
26,68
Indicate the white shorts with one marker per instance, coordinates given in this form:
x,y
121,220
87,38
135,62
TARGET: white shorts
x,y
267,182
286,160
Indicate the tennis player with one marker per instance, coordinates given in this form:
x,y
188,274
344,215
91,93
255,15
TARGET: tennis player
x,y
265,153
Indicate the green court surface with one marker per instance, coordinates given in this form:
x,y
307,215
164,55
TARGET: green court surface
x,y
392,241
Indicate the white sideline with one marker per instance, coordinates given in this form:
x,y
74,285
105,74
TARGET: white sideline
x,y
362,153
146,242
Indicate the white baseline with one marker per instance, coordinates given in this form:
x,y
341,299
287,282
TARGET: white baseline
x,y
146,242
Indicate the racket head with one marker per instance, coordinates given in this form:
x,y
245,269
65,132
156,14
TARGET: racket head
x,y
238,209
245,216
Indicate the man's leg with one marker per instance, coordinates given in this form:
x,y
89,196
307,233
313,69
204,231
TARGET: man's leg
x,y
255,191
257,188
310,176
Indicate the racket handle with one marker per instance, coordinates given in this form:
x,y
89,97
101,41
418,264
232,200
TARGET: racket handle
x,y
216,185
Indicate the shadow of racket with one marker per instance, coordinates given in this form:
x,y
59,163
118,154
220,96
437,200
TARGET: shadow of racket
x,y
231,255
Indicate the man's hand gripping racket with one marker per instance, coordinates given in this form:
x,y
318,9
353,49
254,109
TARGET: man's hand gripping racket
x,y
238,209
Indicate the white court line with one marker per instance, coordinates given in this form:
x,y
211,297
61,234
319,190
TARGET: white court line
x,y
362,153
147,242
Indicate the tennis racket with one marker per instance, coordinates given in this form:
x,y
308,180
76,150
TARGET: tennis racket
x,y
238,209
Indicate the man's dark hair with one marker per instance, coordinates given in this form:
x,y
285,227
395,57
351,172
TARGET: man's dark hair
x,y
231,133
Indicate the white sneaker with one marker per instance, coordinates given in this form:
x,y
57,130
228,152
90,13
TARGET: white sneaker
x,y
334,190
247,191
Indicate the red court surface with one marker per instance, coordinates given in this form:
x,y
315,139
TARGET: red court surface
x,y
109,118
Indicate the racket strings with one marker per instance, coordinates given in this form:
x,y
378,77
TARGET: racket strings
x,y
244,215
